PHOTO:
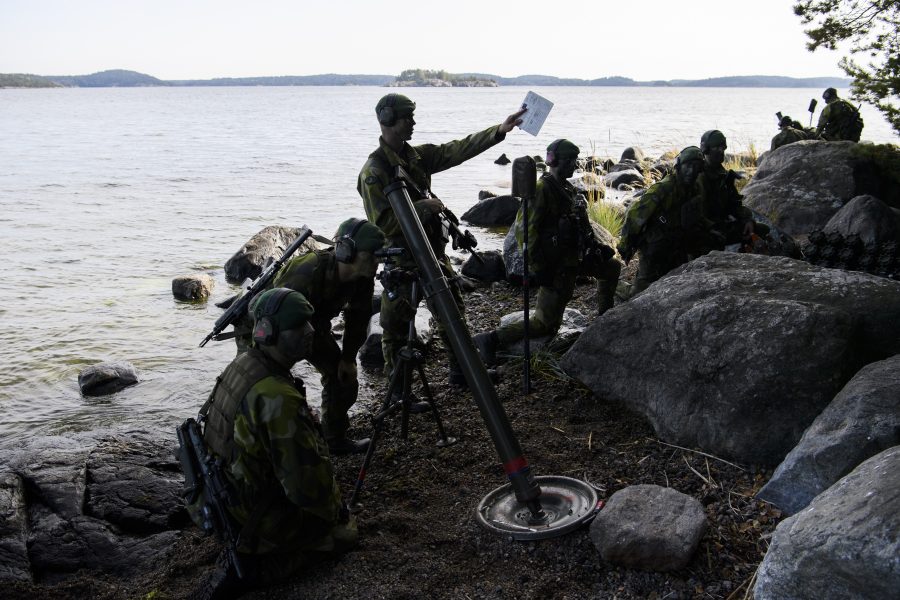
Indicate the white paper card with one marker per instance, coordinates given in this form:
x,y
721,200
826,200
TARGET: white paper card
x,y
538,109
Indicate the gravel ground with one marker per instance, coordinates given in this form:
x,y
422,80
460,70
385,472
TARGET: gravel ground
x,y
418,535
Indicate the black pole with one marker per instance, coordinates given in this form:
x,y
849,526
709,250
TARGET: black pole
x,y
524,172
436,290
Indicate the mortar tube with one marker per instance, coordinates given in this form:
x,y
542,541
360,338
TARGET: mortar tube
x,y
436,290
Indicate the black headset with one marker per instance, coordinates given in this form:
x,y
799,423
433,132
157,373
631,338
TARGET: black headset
x,y
345,246
386,114
552,161
265,332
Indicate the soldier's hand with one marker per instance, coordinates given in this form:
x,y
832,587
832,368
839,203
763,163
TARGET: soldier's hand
x,y
346,372
512,120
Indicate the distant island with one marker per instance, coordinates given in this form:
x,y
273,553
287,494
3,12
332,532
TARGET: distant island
x,y
408,78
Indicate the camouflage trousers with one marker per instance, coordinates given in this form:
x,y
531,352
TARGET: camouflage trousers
x,y
552,299
337,398
657,259
397,314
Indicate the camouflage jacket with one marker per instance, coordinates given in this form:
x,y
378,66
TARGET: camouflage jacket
x,y
315,275
786,136
657,215
279,466
721,200
421,162
558,226
840,120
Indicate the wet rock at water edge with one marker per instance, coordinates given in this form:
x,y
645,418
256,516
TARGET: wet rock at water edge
x,y
503,160
650,528
192,288
267,245
107,378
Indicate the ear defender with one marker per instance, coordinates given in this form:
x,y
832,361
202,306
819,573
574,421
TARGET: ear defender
x,y
386,115
552,161
265,332
345,246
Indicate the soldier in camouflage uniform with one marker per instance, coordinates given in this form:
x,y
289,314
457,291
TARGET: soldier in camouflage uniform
x,y
731,221
288,505
788,133
839,120
561,245
395,117
666,222
336,280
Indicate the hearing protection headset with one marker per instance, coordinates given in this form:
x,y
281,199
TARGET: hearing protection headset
x,y
345,246
386,115
265,332
552,161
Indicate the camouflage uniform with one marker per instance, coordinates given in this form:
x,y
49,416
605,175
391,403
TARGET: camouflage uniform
x,y
286,497
723,207
839,120
560,246
787,135
420,162
662,224
315,275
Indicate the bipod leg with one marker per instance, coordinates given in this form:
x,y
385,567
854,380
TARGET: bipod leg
x,y
429,397
387,407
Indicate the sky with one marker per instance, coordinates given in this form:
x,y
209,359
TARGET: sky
x,y
586,39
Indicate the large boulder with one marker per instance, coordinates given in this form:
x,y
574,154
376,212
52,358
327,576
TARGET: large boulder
x,y
632,177
738,353
493,212
649,528
802,185
633,153
869,218
106,378
844,544
267,245
862,420
489,268
14,562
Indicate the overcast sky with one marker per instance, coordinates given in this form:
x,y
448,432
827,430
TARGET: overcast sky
x,y
199,39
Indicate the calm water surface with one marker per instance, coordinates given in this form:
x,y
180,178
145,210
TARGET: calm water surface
x,y
107,194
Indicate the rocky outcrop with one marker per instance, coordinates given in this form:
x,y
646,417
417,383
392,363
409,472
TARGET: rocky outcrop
x,y
111,506
844,544
873,221
862,420
269,244
489,269
650,528
192,288
493,212
629,177
633,153
107,378
704,352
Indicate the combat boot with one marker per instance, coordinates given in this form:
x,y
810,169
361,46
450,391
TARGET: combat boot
x,y
606,296
344,445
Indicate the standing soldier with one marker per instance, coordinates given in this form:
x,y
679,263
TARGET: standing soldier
x,y
336,280
286,502
395,158
561,245
788,133
666,221
839,120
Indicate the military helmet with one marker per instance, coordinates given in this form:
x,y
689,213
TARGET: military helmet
x,y
392,107
356,235
829,93
691,153
711,138
786,121
275,310
561,149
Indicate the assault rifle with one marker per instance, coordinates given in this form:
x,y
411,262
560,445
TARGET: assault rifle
x,y
203,476
240,305
462,240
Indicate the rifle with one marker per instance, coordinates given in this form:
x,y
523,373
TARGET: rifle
x,y
203,475
463,240
239,306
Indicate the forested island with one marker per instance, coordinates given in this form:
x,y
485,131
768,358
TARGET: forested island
x,y
408,78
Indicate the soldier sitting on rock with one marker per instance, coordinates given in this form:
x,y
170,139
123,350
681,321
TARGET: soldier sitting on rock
x,y
286,502
561,245
839,120
787,134
337,280
666,222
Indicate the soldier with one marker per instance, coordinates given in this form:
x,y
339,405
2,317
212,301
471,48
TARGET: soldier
x,y
395,117
561,244
664,223
839,120
337,280
731,221
788,133
287,504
